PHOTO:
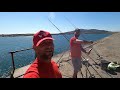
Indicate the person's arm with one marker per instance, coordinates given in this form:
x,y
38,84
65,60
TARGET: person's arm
x,y
82,41
77,41
87,42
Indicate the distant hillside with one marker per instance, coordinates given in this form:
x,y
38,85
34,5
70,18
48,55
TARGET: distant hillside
x,y
95,31
90,31
14,35
86,31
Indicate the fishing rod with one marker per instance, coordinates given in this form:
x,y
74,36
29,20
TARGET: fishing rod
x,y
81,34
70,22
94,69
73,26
65,37
86,65
61,33
57,28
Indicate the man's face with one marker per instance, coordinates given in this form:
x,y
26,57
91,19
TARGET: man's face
x,y
77,34
45,50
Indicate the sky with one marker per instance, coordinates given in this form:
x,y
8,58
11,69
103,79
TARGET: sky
x,y
32,22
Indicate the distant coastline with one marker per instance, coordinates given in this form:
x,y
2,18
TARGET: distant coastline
x,y
15,35
84,31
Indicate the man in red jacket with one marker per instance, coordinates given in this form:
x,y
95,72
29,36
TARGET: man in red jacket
x,y
43,66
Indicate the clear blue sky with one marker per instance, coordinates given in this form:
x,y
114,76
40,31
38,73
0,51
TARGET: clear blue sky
x,y
31,22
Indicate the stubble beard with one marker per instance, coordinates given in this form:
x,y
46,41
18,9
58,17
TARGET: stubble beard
x,y
46,57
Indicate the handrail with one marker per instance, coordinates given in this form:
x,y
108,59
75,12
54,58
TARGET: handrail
x,y
20,50
13,64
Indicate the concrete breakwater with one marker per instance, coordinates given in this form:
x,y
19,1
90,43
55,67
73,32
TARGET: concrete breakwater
x,y
107,48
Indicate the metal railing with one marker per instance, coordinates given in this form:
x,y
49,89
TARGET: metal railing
x,y
13,63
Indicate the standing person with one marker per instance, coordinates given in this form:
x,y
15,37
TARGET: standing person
x,y
43,66
75,51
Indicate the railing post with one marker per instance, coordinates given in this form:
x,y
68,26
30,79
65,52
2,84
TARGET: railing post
x,y
13,64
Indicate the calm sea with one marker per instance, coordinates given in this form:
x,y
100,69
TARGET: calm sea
x,y
23,58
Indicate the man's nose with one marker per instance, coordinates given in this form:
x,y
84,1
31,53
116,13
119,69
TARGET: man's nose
x,y
50,46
